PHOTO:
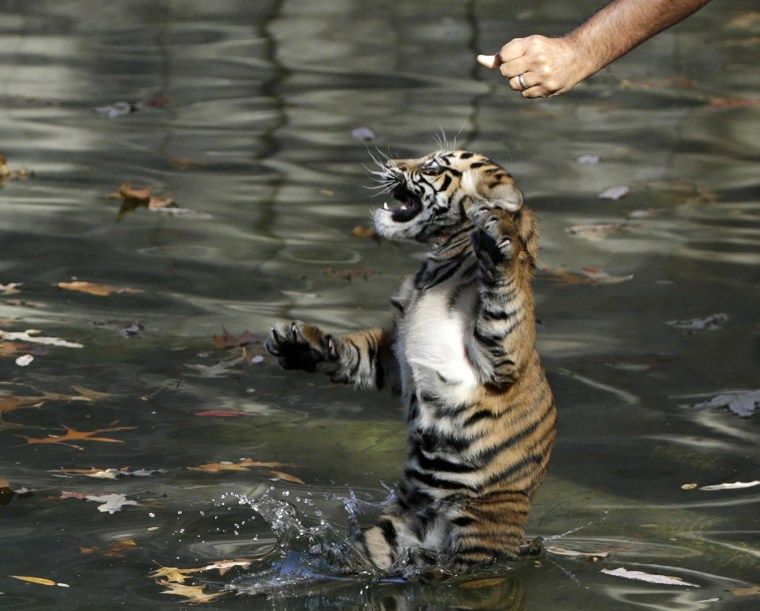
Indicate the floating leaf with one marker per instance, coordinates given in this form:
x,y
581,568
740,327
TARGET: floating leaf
x,y
731,486
751,591
228,340
364,232
224,413
133,198
72,435
115,550
30,335
117,109
596,228
108,502
348,274
10,289
734,102
6,174
616,192
243,465
183,163
741,402
709,323
648,577
587,275
39,580
101,290
279,475
561,551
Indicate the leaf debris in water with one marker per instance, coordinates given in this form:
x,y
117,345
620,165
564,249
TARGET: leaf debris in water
x,y
731,486
709,323
741,402
649,577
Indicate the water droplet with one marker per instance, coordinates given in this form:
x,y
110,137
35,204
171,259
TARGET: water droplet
x,y
151,515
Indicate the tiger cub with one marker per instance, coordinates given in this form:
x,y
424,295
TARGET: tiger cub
x,y
461,353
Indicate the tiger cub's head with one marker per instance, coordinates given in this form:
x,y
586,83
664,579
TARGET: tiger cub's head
x,y
433,193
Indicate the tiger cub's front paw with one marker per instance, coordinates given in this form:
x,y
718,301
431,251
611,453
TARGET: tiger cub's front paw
x,y
300,346
491,238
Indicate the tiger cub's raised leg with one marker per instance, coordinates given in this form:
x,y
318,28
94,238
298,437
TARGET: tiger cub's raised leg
x,y
506,245
363,359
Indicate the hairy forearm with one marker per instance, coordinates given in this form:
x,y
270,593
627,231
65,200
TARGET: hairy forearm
x,y
624,24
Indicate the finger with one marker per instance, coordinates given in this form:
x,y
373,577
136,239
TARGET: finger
x,y
489,61
514,67
514,49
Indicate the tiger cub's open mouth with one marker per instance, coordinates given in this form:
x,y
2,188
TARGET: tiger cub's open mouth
x,y
409,205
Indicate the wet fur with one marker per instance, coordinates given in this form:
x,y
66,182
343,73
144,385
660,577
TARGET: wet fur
x,y
461,353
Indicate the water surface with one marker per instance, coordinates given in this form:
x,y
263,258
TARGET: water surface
x,y
244,114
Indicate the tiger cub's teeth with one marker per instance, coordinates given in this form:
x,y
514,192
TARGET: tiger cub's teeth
x,y
385,206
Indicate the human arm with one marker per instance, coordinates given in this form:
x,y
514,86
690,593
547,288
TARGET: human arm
x,y
551,66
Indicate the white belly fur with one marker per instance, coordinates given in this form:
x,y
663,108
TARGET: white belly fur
x,y
433,347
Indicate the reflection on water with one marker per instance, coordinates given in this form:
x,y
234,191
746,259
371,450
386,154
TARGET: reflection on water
x,y
244,115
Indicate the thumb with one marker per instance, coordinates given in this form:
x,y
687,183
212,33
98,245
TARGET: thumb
x,y
489,61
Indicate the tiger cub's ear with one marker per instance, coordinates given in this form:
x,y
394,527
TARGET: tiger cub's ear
x,y
498,189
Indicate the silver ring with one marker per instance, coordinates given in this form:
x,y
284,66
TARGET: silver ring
x,y
521,80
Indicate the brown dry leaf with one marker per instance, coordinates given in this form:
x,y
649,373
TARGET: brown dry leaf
x,y
101,290
243,465
115,550
126,191
8,403
72,434
363,232
13,349
588,275
225,565
595,230
193,594
286,477
752,591
734,102
185,163
228,340
133,198
87,394
348,274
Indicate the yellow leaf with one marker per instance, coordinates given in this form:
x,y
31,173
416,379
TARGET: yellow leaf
x,y
40,580
91,288
171,574
193,594
287,477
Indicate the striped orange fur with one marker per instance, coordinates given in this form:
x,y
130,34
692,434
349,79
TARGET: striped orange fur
x,y
461,353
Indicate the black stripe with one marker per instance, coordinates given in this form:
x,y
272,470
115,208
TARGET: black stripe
x,y
388,530
432,480
441,464
478,416
446,182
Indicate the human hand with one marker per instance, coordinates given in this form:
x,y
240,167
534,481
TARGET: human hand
x,y
538,66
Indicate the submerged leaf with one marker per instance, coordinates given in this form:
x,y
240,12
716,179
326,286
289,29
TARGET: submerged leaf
x,y
349,274
227,340
364,232
193,594
751,591
243,465
709,323
587,275
101,290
